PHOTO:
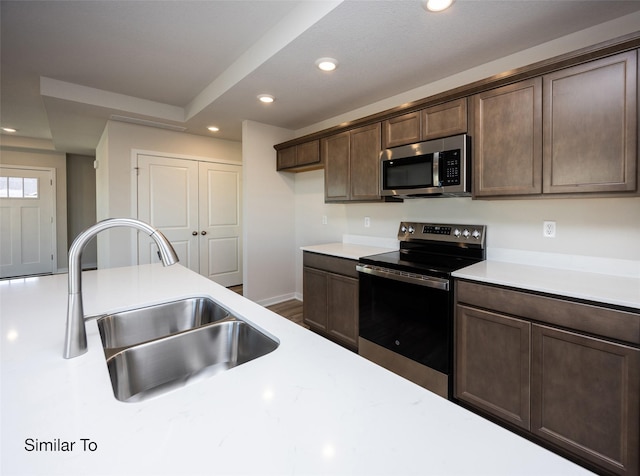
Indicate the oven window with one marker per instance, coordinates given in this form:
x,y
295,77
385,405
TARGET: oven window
x,y
410,172
409,319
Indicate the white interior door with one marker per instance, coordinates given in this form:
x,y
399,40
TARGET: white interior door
x,y
220,223
27,225
168,201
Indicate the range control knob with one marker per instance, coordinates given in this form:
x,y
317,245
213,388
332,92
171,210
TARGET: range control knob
x,y
476,234
403,229
466,233
457,233
411,229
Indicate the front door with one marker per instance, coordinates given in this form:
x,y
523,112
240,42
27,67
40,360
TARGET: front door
x,y
27,225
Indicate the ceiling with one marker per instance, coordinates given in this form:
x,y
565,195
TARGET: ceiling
x,y
69,66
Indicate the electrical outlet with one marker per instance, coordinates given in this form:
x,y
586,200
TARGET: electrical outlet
x,y
324,219
549,229
367,222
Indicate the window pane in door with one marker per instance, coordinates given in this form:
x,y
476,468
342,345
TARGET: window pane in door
x,y
15,187
4,187
30,188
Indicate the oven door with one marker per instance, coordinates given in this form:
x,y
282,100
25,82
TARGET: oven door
x,y
408,315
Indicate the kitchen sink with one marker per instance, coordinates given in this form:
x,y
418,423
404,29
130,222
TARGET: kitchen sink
x,y
151,368
127,328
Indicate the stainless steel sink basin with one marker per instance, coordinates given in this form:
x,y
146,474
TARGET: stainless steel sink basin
x,y
132,327
157,366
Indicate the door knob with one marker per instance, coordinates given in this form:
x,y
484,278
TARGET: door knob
x,y
203,233
194,233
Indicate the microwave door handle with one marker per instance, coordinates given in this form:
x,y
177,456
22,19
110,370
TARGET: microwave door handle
x,y
436,169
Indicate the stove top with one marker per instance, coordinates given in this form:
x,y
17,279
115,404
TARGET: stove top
x,y
434,249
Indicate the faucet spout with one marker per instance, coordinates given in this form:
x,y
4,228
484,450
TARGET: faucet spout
x,y
75,342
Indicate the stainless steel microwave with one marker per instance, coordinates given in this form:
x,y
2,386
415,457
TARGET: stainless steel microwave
x,y
429,168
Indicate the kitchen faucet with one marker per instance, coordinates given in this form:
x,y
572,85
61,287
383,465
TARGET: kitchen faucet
x,y
75,341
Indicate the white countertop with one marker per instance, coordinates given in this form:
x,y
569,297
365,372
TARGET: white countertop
x,y
309,407
615,290
347,250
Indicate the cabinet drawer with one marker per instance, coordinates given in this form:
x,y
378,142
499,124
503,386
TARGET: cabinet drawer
x,y
592,319
332,264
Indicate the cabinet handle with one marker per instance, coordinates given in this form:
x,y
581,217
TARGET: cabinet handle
x,y
194,233
203,233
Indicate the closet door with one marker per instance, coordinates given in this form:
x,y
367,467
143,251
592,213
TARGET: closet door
x,y
220,222
168,200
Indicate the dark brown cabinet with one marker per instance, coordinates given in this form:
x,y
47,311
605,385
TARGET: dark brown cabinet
x,y
444,120
507,140
493,364
401,130
553,368
330,305
352,165
590,127
434,122
571,131
299,158
584,397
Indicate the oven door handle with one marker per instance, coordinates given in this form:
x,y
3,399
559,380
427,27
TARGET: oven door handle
x,y
419,279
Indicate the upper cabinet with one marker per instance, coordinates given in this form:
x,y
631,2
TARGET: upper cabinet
x,y
563,126
299,158
507,140
352,165
433,122
444,120
590,127
401,130
571,131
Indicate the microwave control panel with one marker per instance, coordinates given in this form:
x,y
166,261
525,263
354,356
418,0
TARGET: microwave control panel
x,y
449,167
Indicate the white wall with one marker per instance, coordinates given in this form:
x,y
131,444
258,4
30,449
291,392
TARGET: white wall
x,y
115,177
268,214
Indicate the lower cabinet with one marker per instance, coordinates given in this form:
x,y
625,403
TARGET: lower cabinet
x,y
330,305
493,365
577,392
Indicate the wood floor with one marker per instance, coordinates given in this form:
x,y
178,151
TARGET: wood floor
x,y
291,309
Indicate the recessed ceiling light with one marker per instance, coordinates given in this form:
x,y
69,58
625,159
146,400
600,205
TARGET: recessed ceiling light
x,y
9,129
327,64
213,128
266,98
436,5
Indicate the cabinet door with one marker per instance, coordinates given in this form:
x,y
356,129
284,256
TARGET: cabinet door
x,y
401,130
590,127
343,309
585,397
492,364
445,119
507,140
336,156
365,163
314,306
286,158
308,153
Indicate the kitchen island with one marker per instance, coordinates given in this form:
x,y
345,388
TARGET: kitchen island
x,y
309,407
